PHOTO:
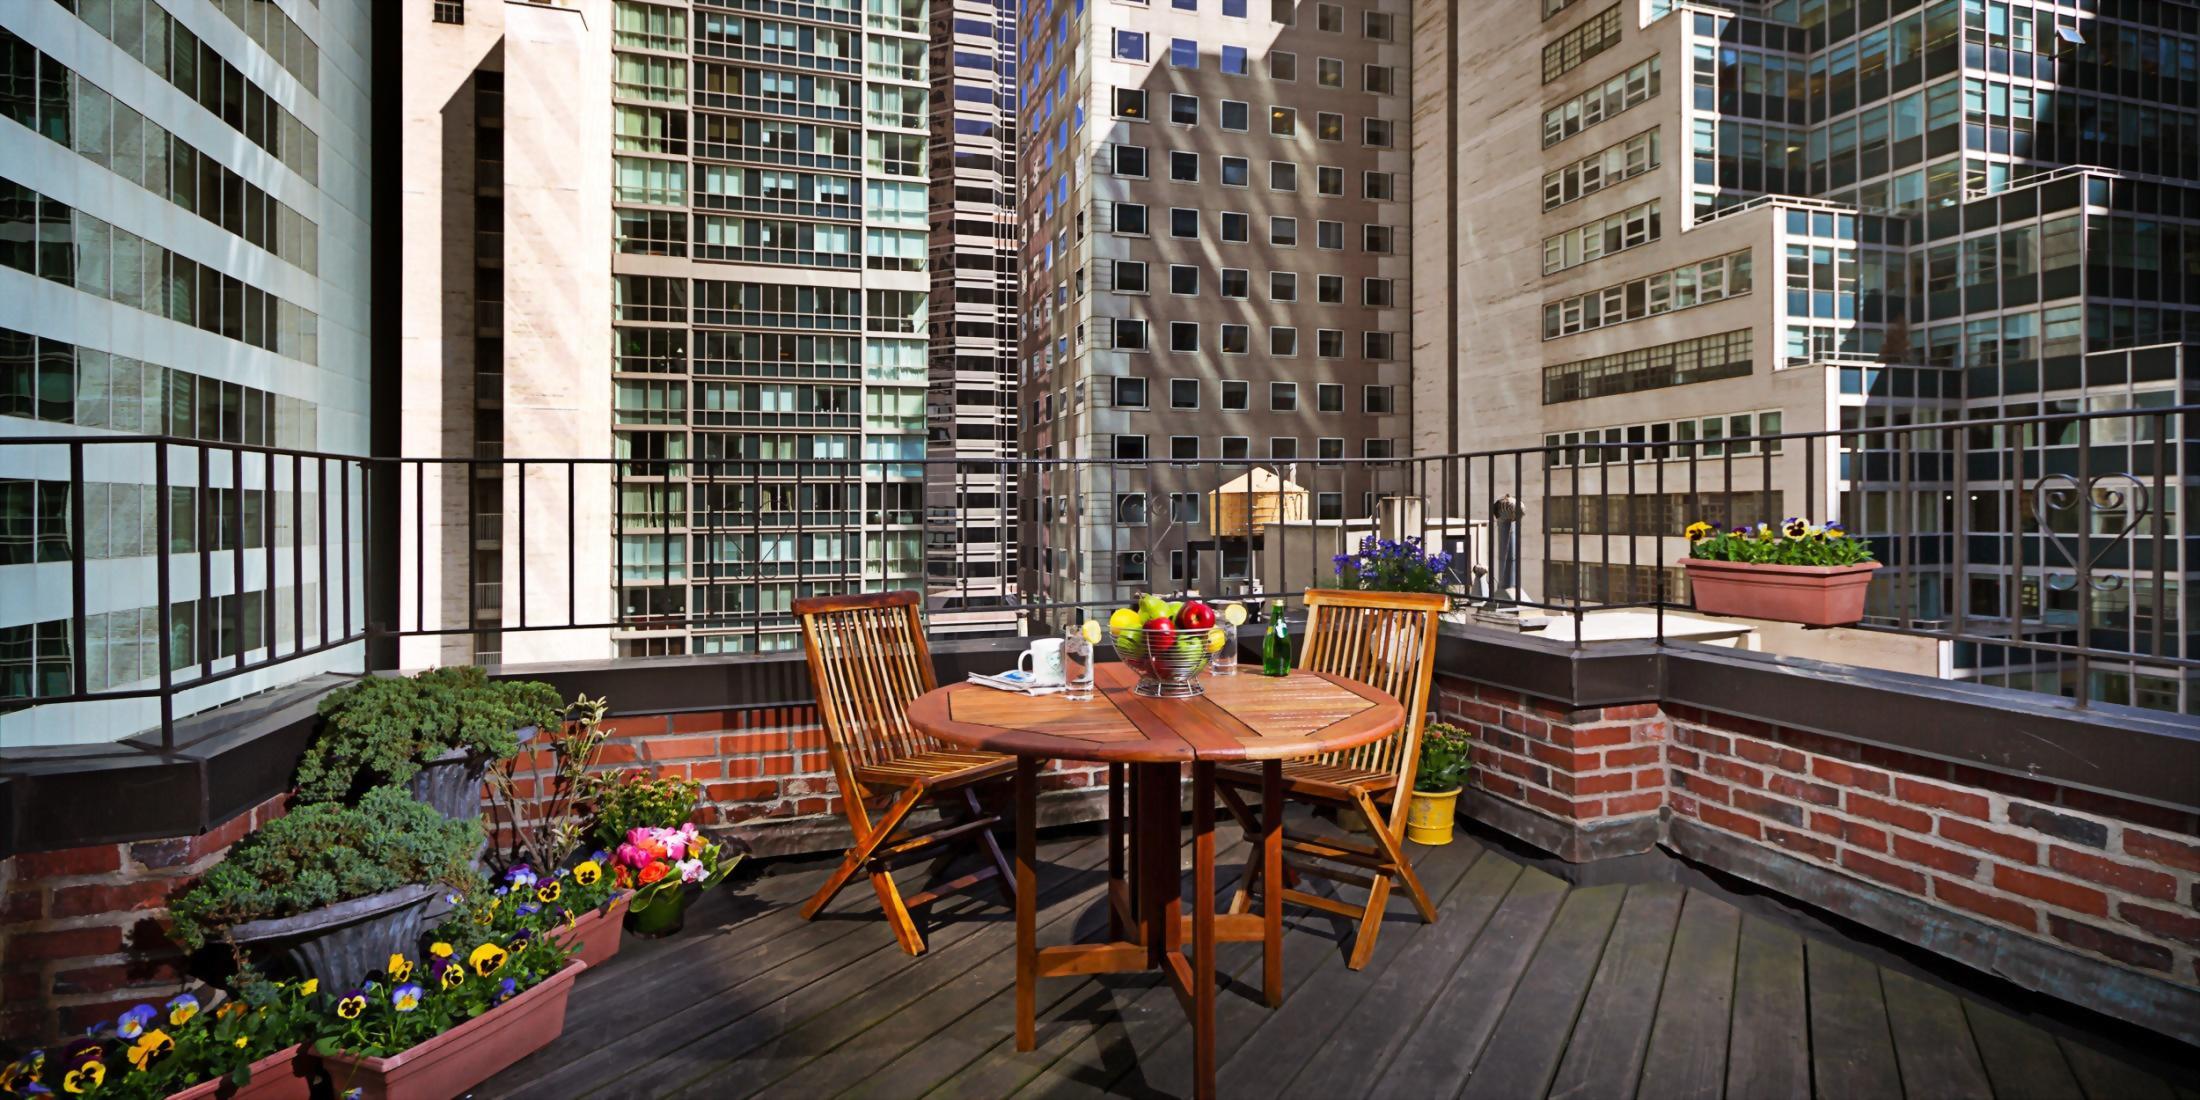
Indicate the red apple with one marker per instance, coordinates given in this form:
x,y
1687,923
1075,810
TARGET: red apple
x,y
1160,637
1195,616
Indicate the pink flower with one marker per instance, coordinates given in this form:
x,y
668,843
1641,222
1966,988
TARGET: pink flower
x,y
633,856
676,845
691,870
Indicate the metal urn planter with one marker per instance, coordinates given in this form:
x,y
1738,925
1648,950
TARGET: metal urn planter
x,y
451,783
341,943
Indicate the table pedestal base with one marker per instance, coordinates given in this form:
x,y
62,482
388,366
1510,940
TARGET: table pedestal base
x,y
1146,920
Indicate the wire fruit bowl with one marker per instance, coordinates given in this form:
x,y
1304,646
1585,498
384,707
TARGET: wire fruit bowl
x,y
1170,674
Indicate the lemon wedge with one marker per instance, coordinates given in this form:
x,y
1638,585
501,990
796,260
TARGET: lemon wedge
x,y
1234,614
1091,631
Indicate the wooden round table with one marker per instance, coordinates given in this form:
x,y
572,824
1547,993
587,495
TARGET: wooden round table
x,y
1246,718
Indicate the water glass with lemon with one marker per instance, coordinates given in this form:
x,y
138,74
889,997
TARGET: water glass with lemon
x,y
1223,641
1077,659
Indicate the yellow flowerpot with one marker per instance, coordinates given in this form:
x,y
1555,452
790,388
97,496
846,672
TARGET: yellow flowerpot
x,y
1429,816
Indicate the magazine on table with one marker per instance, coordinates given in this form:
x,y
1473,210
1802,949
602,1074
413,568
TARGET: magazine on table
x,y
1016,680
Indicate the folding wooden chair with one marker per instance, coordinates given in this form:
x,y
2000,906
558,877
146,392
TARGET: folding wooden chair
x,y
868,662
1387,640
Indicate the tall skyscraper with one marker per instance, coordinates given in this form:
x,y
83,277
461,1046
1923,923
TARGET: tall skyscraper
x,y
1214,272
1670,224
970,504
784,197
184,246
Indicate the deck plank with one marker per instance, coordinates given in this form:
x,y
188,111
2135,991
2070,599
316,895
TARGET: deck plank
x,y
1530,1039
1448,1038
1308,1037
1851,1050
1769,1055
1311,947
1933,1047
1604,1055
2021,1060
2105,1078
1688,1043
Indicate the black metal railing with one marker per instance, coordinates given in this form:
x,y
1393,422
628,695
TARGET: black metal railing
x,y
2047,550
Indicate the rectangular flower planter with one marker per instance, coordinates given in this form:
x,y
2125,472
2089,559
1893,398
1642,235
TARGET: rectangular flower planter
x,y
283,1075
454,1062
1813,595
594,936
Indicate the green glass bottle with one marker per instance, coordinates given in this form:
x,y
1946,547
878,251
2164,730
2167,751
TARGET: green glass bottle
x,y
1275,650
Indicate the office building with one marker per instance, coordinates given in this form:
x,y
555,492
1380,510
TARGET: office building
x,y
970,504
1215,251
184,246
1673,224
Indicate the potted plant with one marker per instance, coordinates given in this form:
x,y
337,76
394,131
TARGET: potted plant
x,y
1445,758
1801,573
435,733
330,889
1387,565
436,1028
622,802
545,828
667,869
247,1046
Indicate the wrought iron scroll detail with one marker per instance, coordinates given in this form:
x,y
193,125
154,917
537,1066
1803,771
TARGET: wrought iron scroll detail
x,y
2064,492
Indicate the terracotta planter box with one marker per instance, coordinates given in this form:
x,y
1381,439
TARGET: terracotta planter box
x,y
454,1062
1813,595
282,1075
594,936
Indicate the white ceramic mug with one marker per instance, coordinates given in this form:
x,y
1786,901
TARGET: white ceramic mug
x,y
1042,661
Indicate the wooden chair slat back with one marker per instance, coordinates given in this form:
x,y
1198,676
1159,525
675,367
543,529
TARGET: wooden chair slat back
x,y
1386,640
868,662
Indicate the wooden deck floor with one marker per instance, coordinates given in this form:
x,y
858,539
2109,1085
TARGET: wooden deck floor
x,y
1525,988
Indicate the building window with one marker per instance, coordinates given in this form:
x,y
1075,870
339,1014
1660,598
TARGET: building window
x,y
1329,343
1283,448
1236,448
1130,567
1236,115
1283,176
1183,53
1329,289
1329,18
1329,180
1377,347
1130,45
1379,79
1328,126
1184,336
1376,239
1283,397
1376,25
1378,293
1236,284
1283,342
1375,133
1130,276
1683,287
1598,33
1702,359
1329,450
1236,339
1130,392
1236,172
1602,237
1236,229
1233,61
1130,448
1380,186
1329,72
1283,12
1130,103
1184,223
1604,168
1629,89
1236,396
1377,400
1283,232
1283,121
1130,219
1184,507
1183,450
1329,235
1130,160
1183,109
1283,286
1329,397
1183,393
450,11
1183,166
1130,334
1130,509
1329,506
1184,280
1283,65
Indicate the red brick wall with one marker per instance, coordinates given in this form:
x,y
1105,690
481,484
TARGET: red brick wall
x,y
83,930
766,773
1573,764
2106,877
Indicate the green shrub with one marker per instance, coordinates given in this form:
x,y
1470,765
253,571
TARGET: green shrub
x,y
323,853
382,729
1445,758
630,800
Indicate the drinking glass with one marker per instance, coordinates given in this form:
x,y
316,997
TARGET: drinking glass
x,y
1076,665
1224,662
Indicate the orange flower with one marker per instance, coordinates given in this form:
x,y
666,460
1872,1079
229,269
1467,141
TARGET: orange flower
x,y
619,874
657,869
